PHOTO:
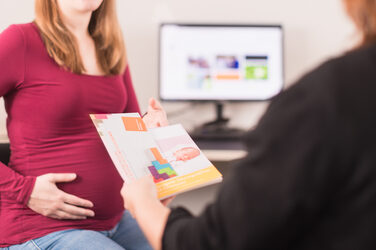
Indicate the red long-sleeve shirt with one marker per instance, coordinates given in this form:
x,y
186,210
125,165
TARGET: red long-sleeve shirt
x,y
50,132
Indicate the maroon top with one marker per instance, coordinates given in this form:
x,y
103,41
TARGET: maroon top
x,y
50,131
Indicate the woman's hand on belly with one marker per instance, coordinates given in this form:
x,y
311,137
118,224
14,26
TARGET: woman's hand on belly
x,y
48,200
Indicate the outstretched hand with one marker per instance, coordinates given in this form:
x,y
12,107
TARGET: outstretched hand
x,y
156,115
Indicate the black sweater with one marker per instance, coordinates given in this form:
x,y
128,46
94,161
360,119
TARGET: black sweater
x,y
309,180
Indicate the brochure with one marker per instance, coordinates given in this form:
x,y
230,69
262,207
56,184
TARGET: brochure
x,y
167,153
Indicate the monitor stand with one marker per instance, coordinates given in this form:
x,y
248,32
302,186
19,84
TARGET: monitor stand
x,y
217,129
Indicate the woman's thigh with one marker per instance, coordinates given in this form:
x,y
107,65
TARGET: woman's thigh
x,y
70,239
129,235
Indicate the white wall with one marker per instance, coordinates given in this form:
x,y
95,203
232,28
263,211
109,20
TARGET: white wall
x,y
314,29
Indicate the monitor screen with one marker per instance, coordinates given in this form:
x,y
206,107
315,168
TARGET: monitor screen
x,y
220,62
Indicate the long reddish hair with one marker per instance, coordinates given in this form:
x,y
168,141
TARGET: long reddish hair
x,y
363,13
62,46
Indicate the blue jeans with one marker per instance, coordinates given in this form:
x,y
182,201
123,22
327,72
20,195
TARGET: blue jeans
x,y
125,235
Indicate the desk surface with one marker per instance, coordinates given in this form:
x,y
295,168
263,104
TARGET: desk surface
x,y
4,139
227,150
224,155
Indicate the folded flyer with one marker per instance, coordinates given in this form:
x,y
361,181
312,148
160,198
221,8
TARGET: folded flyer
x,y
167,153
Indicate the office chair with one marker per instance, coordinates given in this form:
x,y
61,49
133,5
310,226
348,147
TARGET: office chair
x,y
4,153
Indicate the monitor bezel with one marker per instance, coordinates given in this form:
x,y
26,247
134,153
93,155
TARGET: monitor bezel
x,y
280,26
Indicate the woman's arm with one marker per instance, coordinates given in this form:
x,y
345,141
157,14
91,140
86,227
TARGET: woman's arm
x,y
12,64
132,103
140,198
38,193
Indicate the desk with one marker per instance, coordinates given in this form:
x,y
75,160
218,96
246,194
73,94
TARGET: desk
x,y
224,155
4,139
222,151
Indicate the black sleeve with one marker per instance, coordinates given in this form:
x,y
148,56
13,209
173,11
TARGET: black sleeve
x,y
279,188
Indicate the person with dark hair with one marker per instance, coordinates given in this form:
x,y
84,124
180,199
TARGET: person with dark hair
x,y
308,181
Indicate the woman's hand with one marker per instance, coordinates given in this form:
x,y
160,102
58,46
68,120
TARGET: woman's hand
x,y
140,198
46,199
156,115
139,193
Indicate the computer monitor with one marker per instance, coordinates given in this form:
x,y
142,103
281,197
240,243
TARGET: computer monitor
x,y
218,63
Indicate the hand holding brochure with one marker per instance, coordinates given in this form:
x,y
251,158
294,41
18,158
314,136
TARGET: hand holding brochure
x,y
167,153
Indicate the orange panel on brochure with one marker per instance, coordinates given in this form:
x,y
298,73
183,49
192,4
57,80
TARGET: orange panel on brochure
x,y
134,124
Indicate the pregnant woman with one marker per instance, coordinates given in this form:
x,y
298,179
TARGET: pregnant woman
x,y
60,189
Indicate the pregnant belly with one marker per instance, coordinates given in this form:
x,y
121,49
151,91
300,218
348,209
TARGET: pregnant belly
x,y
97,178
101,184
